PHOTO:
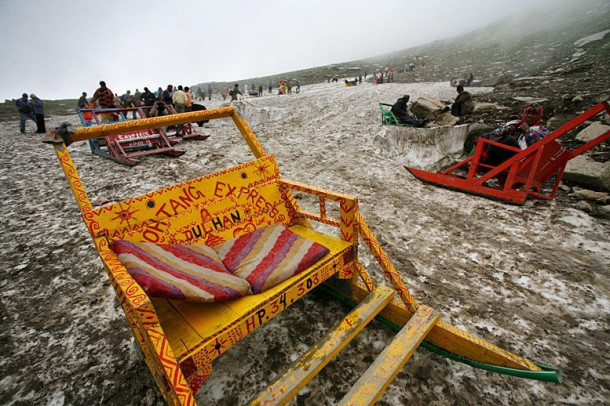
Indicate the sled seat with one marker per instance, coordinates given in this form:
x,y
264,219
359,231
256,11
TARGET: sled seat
x,y
198,330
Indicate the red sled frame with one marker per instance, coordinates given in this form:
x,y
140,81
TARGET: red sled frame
x,y
128,147
520,176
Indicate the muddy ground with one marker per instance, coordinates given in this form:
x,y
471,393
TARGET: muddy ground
x,y
532,279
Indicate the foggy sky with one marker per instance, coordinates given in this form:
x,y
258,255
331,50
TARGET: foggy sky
x,y
60,48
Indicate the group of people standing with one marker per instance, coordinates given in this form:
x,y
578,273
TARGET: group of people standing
x,y
31,108
159,103
283,86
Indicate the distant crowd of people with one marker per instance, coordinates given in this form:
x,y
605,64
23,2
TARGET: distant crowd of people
x,y
158,103
252,90
382,74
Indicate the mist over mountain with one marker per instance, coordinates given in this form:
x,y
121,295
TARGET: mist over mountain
x,y
523,44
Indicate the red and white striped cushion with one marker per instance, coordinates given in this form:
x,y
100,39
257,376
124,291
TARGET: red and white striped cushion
x,y
269,255
192,273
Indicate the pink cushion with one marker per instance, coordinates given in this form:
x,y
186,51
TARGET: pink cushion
x,y
269,255
192,273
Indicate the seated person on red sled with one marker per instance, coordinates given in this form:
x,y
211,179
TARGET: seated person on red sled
x,y
517,133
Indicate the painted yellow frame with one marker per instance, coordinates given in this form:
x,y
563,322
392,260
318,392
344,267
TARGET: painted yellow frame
x,y
255,195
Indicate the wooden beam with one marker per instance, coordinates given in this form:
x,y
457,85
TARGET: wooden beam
x,y
87,133
392,359
304,369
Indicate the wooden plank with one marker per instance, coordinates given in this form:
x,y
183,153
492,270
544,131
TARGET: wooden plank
x,y
390,362
305,368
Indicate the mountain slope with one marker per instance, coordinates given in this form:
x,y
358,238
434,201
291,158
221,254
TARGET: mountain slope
x,y
522,44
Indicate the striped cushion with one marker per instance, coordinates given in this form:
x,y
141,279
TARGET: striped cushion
x,y
192,273
269,255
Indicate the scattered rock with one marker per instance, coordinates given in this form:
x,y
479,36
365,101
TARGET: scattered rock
x,y
591,195
584,206
584,171
604,211
488,107
558,120
577,99
100,201
528,99
494,81
592,131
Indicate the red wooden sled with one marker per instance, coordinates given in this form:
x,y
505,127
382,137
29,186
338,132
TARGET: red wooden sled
x,y
521,176
126,148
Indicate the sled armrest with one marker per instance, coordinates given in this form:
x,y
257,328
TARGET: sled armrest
x,y
348,204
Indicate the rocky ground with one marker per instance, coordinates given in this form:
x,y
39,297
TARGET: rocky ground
x,y
531,279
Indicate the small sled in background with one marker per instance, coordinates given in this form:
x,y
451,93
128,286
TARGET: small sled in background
x,y
126,148
234,218
388,118
523,175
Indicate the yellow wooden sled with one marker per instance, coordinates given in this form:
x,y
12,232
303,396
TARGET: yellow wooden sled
x,y
180,340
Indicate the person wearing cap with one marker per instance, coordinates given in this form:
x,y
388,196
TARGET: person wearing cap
x,y
24,106
403,115
38,107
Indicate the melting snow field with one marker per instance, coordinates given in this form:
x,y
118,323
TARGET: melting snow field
x,y
531,279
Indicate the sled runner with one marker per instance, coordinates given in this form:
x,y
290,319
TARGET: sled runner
x,y
126,147
200,265
521,176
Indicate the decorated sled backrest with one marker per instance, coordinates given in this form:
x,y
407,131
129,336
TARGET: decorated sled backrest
x,y
209,209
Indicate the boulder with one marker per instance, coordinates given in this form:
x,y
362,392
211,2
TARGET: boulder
x,y
594,130
428,107
586,172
